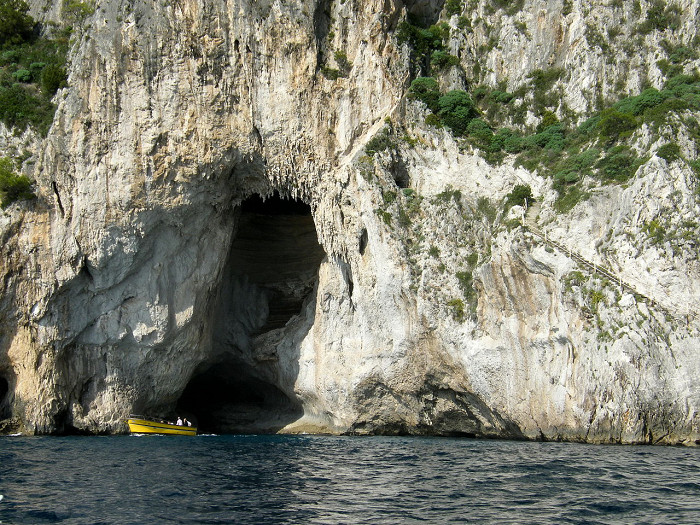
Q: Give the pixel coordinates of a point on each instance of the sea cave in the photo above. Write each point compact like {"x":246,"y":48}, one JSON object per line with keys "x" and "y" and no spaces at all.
{"x":270,"y":274}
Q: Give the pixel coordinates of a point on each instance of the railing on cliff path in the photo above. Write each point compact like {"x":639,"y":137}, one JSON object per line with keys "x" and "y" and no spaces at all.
{"x":529,"y":224}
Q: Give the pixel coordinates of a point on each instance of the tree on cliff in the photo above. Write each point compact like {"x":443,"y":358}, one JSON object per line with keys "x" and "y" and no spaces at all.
{"x":13,"y":186}
{"x":456,"y":109}
{"x":15,"y":24}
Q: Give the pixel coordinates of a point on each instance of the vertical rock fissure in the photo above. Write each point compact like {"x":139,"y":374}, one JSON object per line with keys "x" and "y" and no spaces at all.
{"x":4,"y":391}
{"x":270,"y":274}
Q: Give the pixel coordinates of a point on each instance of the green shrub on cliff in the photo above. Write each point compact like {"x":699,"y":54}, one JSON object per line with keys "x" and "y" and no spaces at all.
{"x":344,"y":65}
{"x":669,"y":152}
{"x":13,"y":186}
{"x":15,"y":23}
{"x":423,"y":43}
{"x":480,"y":133}
{"x":53,"y":77}
{"x":427,"y":90}
{"x":76,"y":11}
{"x":520,"y":194}
{"x":493,"y":120}
{"x":648,"y":98}
{"x":442,"y":60}
{"x":20,"y":108}
{"x":660,"y":17}
{"x":619,"y":164}
{"x":453,"y":7}
{"x":456,"y":109}
{"x":457,"y":309}
{"x":511,"y":7}
{"x":382,"y":141}
{"x":32,"y":69}
{"x":615,"y":125}
{"x":22,"y":75}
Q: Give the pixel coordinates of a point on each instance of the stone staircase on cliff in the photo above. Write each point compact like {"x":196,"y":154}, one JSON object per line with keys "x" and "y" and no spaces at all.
{"x":595,"y":269}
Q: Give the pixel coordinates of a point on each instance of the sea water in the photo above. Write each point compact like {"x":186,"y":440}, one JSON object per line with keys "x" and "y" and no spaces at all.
{"x":332,"y":480}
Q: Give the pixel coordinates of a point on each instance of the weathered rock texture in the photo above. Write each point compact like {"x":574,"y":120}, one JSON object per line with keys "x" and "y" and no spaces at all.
{"x":208,"y":239}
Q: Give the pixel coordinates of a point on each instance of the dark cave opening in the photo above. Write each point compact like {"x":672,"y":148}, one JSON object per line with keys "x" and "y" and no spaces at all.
{"x":277,"y":250}
{"x":363,"y":241}
{"x":270,"y":275}
{"x":228,"y":396}
{"x":423,"y":12}
{"x":4,"y":391}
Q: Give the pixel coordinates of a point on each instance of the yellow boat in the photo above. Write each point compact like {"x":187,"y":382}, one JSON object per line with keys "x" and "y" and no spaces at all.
{"x":143,"y":425}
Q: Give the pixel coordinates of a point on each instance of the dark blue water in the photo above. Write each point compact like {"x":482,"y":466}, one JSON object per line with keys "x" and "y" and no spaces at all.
{"x":308,"y":479}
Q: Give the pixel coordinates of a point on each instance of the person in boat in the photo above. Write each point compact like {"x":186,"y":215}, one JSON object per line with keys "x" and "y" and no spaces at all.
{"x":179,"y":421}
{"x":186,"y":423}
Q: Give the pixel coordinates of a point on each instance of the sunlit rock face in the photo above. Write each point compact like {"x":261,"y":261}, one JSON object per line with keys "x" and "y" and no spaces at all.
{"x":211,"y":240}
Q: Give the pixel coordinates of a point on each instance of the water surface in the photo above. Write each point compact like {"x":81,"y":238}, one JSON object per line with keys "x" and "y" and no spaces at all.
{"x":321,"y":479}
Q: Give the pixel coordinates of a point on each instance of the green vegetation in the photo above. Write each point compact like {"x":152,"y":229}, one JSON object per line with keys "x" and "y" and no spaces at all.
{"x":365,"y":166}
{"x":13,"y":187}
{"x":382,"y":141}
{"x":654,"y":231}
{"x":520,"y":194}
{"x":597,"y":147}
{"x":389,"y":197}
{"x":412,"y":201}
{"x":660,"y":17}
{"x":384,"y":215}
{"x":567,"y":7}
{"x":344,"y":65}
{"x":569,"y":196}
{"x":574,"y":278}
{"x":427,"y":90}
{"x":16,"y":25}
{"x":619,"y":164}
{"x":447,"y":195}
{"x":465,"y":280}
{"x":330,"y":73}
{"x":613,"y":125}
{"x":458,"y":310}
{"x":343,"y":69}
{"x":455,"y":110}
{"x":596,"y":297}
{"x":32,"y":69}
{"x":511,"y":7}
{"x":666,"y":233}
{"x":540,"y":85}
{"x":486,"y":209}
{"x":453,"y":7}
{"x":427,"y":46}
{"x":576,"y":155}
{"x":442,"y":60}
{"x":76,"y":11}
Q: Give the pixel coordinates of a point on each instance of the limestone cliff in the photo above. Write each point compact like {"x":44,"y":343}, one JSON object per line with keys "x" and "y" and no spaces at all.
{"x":211,"y":236}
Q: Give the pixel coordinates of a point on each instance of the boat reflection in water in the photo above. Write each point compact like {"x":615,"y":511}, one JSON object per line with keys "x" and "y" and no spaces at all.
{"x":145,"y":425}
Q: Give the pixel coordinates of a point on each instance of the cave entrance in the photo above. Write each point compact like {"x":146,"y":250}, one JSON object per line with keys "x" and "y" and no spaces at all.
{"x":230,"y":396}
{"x":270,"y":275}
{"x":277,"y":250}
{"x":424,"y":12}
{"x":4,"y":391}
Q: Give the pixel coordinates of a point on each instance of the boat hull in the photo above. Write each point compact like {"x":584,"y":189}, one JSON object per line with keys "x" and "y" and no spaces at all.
{"x":147,"y":426}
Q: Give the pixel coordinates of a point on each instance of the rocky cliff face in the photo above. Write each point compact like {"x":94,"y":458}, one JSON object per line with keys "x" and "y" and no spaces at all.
{"x":211,"y":238}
